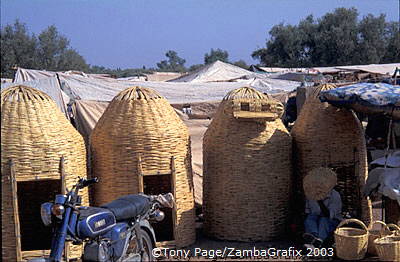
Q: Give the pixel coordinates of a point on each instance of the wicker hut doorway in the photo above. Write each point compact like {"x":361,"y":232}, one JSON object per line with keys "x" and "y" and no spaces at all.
{"x":155,"y":184}
{"x":31,"y":194}
{"x":348,"y":188}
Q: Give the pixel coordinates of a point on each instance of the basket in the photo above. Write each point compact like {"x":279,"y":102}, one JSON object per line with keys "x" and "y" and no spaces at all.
{"x":374,"y":234}
{"x":351,"y":243}
{"x":395,"y":231}
{"x":388,"y":248}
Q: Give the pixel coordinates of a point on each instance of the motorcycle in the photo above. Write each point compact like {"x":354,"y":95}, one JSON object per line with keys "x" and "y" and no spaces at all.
{"x":118,"y":231}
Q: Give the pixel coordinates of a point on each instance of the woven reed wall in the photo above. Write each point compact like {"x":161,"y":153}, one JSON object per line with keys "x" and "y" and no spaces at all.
{"x":139,"y":121}
{"x":35,"y":135}
{"x":247,"y":170}
{"x":326,"y":136}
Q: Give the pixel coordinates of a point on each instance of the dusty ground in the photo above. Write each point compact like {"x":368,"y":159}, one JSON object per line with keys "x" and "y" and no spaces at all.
{"x":205,"y":248}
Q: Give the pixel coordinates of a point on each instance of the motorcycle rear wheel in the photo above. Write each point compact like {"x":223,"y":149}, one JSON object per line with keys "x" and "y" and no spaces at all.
{"x":147,"y":246}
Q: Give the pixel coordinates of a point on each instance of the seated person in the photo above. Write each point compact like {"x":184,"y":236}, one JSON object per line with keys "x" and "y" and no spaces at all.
{"x":323,"y":206}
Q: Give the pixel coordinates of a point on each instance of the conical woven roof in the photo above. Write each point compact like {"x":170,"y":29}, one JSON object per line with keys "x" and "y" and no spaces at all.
{"x":318,"y":89}
{"x":139,"y":122}
{"x":137,"y":93}
{"x":246,"y":93}
{"x":35,"y":135}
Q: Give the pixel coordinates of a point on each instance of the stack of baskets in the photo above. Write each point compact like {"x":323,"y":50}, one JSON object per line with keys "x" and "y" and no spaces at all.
{"x":386,"y":229}
{"x":247,"y":168}
{"x":326,"y":136}
{"x":34,"y":135}
{"x":388,"y":247}
{"x":134,"y":141}
{"x":353,"y":243}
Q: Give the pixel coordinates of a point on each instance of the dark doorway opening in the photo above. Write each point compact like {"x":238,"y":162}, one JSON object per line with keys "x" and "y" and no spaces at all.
{"x":160,"y":184}
{"x":31,"y":195}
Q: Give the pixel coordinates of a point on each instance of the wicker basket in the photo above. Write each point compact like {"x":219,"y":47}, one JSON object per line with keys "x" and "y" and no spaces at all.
{"x":351,"y":243}
{"x":374,"y":234}
{"x":140,"y":144}
{"x":326,"y":136}
{"x":34,"y":135}
{"x":247,"y":169}
{"x":388,"y":248}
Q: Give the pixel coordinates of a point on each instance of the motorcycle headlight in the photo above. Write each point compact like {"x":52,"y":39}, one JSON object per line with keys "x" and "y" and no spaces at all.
{"x":57,"y":210}
{"x":45,"y":213}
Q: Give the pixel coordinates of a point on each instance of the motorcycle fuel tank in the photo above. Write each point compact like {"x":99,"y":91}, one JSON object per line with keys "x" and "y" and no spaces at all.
{"x":94,"y":221}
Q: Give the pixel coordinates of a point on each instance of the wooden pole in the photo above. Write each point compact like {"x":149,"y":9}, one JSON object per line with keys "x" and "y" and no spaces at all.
{"x":62,"y":176}
{"x":140,"y":173}
{"x":173,"y":187}
{"x":64,"y":191}
{"x":16,"y":211}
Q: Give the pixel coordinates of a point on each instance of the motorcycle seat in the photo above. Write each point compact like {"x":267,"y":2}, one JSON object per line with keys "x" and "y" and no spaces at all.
{"x":128,"y":206}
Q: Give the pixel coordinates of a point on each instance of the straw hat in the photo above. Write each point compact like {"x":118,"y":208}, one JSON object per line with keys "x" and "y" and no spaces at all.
{"x":319,"y":182}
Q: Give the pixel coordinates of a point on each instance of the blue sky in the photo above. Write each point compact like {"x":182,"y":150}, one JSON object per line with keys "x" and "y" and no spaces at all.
{"x":122,"y":33}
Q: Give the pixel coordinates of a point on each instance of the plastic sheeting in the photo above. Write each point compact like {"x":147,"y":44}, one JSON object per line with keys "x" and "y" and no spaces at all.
{"x":214,"y":72}
{"x":48,"y":85}
{"x":366,"y":98}
{"x":87,"y":113}
{"x":80,"y":87}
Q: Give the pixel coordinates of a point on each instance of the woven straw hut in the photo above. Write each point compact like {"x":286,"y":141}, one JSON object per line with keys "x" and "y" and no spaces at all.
{"x":247,"y":168}
{"x":141,"y":145}
{"x":326,"y":136}
{"x":34,"y":136}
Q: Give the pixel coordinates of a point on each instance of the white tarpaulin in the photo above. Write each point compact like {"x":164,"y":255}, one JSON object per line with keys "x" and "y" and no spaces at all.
{"x":214,"y":72}
{"x":104,"y":89}
{"x":48,"y":85}
{"x":22,"y":74}
{"x":383,"y":69}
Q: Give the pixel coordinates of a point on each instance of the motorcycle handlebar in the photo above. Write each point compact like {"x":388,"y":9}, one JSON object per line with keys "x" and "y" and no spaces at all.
{"x":88,"y":182}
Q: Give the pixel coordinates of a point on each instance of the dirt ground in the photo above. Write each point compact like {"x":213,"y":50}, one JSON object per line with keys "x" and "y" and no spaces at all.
{"x":206,"y":248}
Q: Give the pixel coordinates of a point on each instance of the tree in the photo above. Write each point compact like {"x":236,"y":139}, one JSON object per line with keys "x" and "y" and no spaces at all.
{"x":284,"y":47}
{"x":214,"y":55}
{"x":241,"y":63}
{"x":372,"y":39}
{"x":51,"y":47}
{"x":71,"y":60}
{"x":173,"y":64}
{"x":392,"y":53}
{"x":18,"y":48}
{"x":195,"y":67}
{"x":337,"y":38}
{"x":49,"y":51}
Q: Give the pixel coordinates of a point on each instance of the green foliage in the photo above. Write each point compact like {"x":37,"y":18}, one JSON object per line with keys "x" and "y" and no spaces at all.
{"x":392,"y":53}
{"x":214,"y":55}
{"x":119,"y":73}
{"x":241,"y":63}
{"x":18,"y":48}
{"x":49,"y":51}
{"x":173,"y":64}
{"x":195,"y":67}
{"x":337,"y":38}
